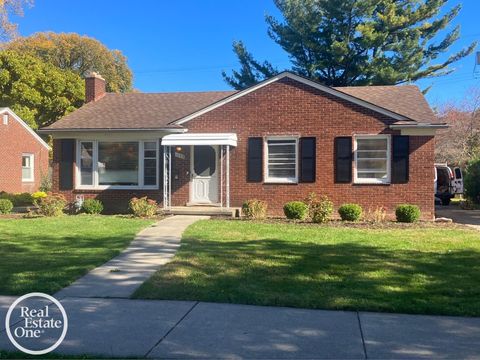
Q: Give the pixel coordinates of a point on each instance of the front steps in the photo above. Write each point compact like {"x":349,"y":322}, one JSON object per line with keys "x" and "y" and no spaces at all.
{"x":204,"y":210}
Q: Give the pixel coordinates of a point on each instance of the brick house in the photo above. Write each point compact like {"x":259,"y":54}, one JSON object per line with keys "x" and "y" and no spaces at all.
{"x":24,"y":155}
{"x":277,"y":141}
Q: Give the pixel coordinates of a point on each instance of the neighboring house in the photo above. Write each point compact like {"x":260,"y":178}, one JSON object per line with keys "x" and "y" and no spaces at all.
{"x":23,"y":155}
{"x":276,"y":141}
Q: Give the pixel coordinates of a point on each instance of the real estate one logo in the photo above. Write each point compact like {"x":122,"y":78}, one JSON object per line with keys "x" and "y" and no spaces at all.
{"x":36,"y":323}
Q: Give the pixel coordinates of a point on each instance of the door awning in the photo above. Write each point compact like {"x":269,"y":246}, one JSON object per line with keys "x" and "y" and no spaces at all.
{"x":200,"y":139}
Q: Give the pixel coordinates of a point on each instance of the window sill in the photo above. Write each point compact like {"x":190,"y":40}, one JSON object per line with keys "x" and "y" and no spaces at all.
{"x":102,"y":188}
{"x":281,"y":182}
{"x":28,"y":181}
{"x":371,"y":183}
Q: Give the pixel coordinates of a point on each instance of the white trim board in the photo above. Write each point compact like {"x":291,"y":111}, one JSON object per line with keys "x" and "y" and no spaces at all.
{"x":24,"y":124}
{"x":302,"y":80}
{"x":200,"y":139}
{"x":31,"y":160}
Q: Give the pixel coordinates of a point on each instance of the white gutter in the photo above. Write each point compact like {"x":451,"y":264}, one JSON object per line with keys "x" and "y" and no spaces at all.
{"x":173,"y":130}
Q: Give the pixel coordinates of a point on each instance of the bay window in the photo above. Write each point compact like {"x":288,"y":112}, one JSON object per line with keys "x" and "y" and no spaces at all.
{"x":86,"y":163}
{"x":117,"y":164}
{"x":281,"y":159}
{"x":372,"y":159}
{"x":150,"y":163}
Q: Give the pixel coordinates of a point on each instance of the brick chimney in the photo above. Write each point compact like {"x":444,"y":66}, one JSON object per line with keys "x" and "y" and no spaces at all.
{"x":94,"y":87}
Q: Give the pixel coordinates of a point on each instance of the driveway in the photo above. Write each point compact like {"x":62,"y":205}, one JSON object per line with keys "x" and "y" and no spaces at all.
{"x":459,"y":215}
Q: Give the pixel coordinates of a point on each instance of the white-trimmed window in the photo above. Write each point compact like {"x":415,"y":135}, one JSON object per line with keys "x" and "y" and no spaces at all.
{"x":27,"y":167}
{"x":117,"y":164}
{"x":372,"y":159}
{"x":281,"y":159}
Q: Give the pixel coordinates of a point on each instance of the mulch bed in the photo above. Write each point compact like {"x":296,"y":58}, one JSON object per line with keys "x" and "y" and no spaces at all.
{"x":360,"y":224}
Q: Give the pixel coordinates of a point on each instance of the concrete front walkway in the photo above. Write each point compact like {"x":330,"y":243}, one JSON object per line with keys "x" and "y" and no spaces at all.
{"x":193,"y":330}
{"x":121,"y":276}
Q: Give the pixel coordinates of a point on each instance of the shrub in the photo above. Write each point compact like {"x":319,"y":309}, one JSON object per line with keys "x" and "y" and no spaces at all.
{"x":92,"y":206}
{"x":311,"y":201}
{"x":36,"y":196}
{"x":295,"y":210}
{"x":255,"y":209}
{"x":6,"y":206}
{"x":472,"y":181}
{"x":45,"y":184}
{"x":350,"y":212}
{"x":321,"y":210}
{"x":21,"y":199}
{"x":51,"y":205}
{"x":143,"y":207}
{"x":377,"y":215}
{"x":7,"y":196}
{"x":407,"y":213}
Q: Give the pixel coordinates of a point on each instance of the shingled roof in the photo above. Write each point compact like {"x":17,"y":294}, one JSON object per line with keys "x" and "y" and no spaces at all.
{"x":406,"y":100}
{"x":162,"y":110}
{"x":137,"y":110}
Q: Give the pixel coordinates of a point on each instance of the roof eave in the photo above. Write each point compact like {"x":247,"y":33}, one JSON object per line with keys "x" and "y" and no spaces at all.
{"x":166,"y":129}
{"x":420,"y":126}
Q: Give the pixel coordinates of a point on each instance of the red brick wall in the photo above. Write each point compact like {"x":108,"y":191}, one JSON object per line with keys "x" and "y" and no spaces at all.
{"x":94,"y":88}
{"x":14,"y":141}
{"x":287,"y":107}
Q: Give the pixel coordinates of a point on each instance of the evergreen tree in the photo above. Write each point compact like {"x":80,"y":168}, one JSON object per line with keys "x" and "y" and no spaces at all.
{"x":251,"y":71}
{"x":357,"y":42}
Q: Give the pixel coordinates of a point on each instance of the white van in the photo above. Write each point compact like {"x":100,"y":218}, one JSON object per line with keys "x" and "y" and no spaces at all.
{"x":448,"y":182}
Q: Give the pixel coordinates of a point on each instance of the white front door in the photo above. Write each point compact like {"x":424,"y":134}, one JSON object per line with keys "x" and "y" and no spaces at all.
{"x":204,"y":170}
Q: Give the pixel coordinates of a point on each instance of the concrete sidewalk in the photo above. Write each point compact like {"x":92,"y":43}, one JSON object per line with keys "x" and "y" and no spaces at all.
{"x":121,"y":276}
{"x":189,"y":330}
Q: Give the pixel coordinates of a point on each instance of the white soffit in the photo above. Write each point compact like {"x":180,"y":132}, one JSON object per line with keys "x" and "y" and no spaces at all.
{"x":200,"y":139}
{"x":419,"y":129}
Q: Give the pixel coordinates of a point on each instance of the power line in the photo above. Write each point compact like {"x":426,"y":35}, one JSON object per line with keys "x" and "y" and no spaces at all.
{"x":203,"y":68}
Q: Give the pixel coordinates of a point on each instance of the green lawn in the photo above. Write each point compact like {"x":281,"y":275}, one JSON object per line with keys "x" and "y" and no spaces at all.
{"x":47,"y":254}
{"x":417,"y":269}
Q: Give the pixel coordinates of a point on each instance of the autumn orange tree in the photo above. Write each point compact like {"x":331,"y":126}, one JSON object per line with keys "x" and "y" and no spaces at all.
{"x":79,"y":54}
{"x":8,"y":29}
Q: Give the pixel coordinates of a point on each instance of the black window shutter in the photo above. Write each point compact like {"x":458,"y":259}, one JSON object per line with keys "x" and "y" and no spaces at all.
{"x":67,"y":157}
{"x":343,"y":159}
{"x":401,"y":150}
{"x":307,"y":159}
{"x":255,"y":159}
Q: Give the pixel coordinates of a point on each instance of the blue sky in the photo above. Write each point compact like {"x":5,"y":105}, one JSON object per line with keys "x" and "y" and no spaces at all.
{"x":184,"y":45}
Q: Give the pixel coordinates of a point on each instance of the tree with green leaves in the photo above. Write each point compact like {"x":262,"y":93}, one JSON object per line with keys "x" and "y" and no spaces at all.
{"x":79,"y":54}
{"x":357,"y":42}
{"x":36,"y":90}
